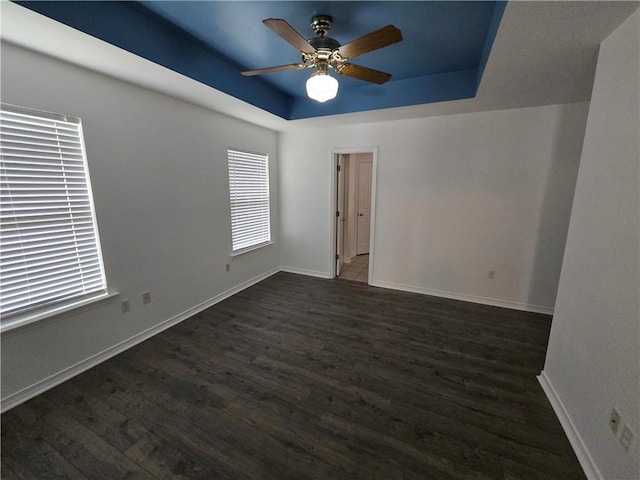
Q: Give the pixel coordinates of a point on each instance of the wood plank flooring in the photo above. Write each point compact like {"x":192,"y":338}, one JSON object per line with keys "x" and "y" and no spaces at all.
{"x":304,"y":378}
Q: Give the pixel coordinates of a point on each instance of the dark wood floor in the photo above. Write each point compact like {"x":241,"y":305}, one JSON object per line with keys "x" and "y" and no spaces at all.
{"x":303,"y":378}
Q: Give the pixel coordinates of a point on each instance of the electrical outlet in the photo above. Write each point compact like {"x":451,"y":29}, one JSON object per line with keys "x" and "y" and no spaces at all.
{"x":146,"y":298}
{"x":614,"y":421}
{"x":627,"y":437}
{"x":228,"y":266}
{"x":491,"y":274}
{"x":125,"y":306}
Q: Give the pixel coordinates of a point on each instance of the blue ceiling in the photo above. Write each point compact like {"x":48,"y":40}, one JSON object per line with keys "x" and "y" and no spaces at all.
{"x":442,"y":56}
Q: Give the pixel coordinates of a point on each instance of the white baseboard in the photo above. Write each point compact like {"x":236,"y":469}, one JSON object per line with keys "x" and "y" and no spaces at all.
{"x":302,"y":271}
{"x":584,"y":457}
{"x":43,"y":385}
{"x":466,"y":298}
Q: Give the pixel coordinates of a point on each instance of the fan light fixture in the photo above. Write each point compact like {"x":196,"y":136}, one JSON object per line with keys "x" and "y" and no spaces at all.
{"x":322,"y":87}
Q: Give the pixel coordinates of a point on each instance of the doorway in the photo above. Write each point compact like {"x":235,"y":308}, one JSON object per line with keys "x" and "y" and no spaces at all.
{"x":352,"y":239}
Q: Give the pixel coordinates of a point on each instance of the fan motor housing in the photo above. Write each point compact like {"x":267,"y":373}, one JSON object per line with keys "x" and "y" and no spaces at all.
{"x":324,"y":43}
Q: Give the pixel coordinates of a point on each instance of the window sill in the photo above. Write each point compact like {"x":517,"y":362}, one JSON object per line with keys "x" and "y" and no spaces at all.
{"x":31,"y":318}
{"x":250,"y":249}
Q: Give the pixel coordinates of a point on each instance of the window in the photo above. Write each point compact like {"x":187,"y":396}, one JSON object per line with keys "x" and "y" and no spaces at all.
{"x":249,"y":196}
{"x":49,"y":245}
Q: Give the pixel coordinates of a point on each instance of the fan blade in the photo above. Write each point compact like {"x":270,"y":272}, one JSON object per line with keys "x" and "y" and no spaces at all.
{"x":372,"y":41}
{"x":288,"y":33}
{"x":364,"y":73}
{"x":280,"y":68}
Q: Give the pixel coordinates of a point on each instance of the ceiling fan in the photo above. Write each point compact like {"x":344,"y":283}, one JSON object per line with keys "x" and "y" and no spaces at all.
{"x":323,"y":53}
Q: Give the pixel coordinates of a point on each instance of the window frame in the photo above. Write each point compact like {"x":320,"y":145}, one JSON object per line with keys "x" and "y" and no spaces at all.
{"x":30,"y":311}
{"x":267,"y":239}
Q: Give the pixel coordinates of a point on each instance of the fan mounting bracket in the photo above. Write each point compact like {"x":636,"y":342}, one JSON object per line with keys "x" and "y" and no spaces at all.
{"x":321,"y":24}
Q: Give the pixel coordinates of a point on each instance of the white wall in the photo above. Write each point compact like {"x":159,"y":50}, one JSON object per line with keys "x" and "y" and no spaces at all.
{"x":159,"y":175}
{"x":593,"y":358}
{"x":456,"y":196}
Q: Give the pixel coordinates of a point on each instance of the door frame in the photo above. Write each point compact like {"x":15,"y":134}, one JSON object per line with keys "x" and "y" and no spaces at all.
{"x":339,"y":223}
{"x":334,"y":204}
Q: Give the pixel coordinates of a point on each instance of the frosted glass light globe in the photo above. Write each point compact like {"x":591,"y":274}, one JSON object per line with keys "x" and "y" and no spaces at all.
{"x":322,"y":87}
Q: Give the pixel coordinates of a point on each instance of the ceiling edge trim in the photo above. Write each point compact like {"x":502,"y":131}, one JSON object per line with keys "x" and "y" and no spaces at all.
{"x":494,"y":26}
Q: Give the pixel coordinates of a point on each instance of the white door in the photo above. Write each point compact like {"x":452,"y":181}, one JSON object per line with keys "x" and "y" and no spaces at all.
{"x":340,"y":215}
{"x":363,"y":207}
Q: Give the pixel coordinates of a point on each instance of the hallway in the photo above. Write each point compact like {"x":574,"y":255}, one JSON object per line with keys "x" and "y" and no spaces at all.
{"x":357,"y":269}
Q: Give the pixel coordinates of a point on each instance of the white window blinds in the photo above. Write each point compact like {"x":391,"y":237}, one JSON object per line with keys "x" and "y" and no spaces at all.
{"x":49,"y":246}
{"x":249,"y":195}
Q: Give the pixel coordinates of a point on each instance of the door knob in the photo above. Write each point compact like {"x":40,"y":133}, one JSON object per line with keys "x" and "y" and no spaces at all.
{"x":361,"y":214}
